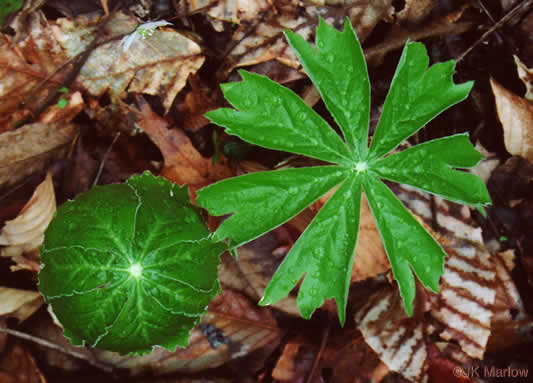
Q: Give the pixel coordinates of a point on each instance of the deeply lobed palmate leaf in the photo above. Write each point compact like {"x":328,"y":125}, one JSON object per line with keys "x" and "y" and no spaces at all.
{"x":274,"y":117}
{"x":126,"y":267}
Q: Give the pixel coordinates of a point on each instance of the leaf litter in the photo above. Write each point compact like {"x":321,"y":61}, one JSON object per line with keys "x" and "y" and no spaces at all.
{"x":253,"y":39}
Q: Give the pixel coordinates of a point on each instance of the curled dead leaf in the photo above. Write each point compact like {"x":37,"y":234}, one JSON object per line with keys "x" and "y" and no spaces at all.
{"x":25,"y":233}
{"x":20,"y":304}
{"x":516,"y":115}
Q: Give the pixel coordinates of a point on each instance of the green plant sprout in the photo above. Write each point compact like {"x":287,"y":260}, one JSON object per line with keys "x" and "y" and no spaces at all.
{"x":126,"y":267}
{"x":270,"y":115}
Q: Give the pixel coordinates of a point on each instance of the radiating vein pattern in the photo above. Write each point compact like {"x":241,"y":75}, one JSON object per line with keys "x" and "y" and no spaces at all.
{"x":128,"y":283}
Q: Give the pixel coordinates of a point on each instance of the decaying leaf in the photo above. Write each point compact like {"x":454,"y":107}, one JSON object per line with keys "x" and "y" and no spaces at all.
{"x":25,"y":233}
{"x":485,"y":167}
{"x":26,"y":77}
{"x":526,"y":75}
{"x":516,"y":115}
{"x":464,"y":305}
{"x":295,"y":362}
{"x":510,"y":325}
{"x":415,"y":11}
{"x":476,"y":298}
{"x":265,"y":41}
{"x":32,"y":148}
{"x":399,"y":341}
{"x":20,"y":304}
{"x":231,"y":11}
{"x":183,"y":163}
{"x":253,"y":270}
{"x":233,"y":327}
{"x":18,"y":366}
{"x":158,"y":64}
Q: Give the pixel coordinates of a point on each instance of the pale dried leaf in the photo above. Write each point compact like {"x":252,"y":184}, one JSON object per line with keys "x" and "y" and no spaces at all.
{"x":256,"y":265}
{"x":266,"y":40}
{"x":398,"y":341}
{"x":158,"y":64}
{"x":464,"y":305}
{"x":54,"y":113}
{"x":485,"y":167}
{"x":20,"y":304}
{"x":233,"y":327}
{"x":516,"y":115}
{"x":511,"y":324}
{"x":526,"y":75}
{"x":285,"y":366}
{"x":25,"y":233}
{"x":415,"y":11}
{"x":32,"y":148}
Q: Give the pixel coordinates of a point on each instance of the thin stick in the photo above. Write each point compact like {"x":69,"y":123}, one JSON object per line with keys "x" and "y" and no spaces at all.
{"x":53,"y":346}
{"x":323,"y":343}
{"x":104,"y":158}
{"x":513,"y":12}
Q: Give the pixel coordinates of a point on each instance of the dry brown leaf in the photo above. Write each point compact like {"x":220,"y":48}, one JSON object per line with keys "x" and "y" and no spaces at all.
{"x":464,"y":305}
{"x":183,"y":163}
{"x":398,"y":341}
{"x":415,"y":11}
{"x":486,"y":166}
{"x":254,"y":269}
{"x":295,"y":363}
{"x":32,"y":148}
{"x":265,"y":41}
{"x":18,"y":366}
{"x":526,"y":75}
{"x":20,"y":304}
{"x":510,"y":325}
{"x":233,"y":327}
{"x":34,"y":68}
{"x":25,"y":233}
{"x":516,"y":115}
{"x":26,"y":76}
{"x":157,"y":65}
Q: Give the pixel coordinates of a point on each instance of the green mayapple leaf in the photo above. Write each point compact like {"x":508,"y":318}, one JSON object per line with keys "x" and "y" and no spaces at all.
{"x":429,"y":166}
{"x":280,"y":120}
{"x":334,"y":229}
{"x":338,"y":70}
{"x":126,"y":267}
{"x":406,"y":240}
{"x":272,"y":116}
{"x":416,"y":96}
{"x":265,"y":200}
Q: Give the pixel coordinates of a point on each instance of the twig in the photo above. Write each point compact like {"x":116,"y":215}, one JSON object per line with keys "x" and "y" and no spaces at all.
{"x":53,"y":346}
{"x":104,"y":158}
{"x":323,"y":343}
{"x":513,"y":12}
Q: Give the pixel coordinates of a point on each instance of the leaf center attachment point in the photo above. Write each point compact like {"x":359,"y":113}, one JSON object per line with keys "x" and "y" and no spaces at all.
{"x":360,"y":167}
{"x":136,"y":270}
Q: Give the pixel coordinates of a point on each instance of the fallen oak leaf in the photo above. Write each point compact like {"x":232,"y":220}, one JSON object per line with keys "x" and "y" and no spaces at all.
{"x":183,"y":163}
